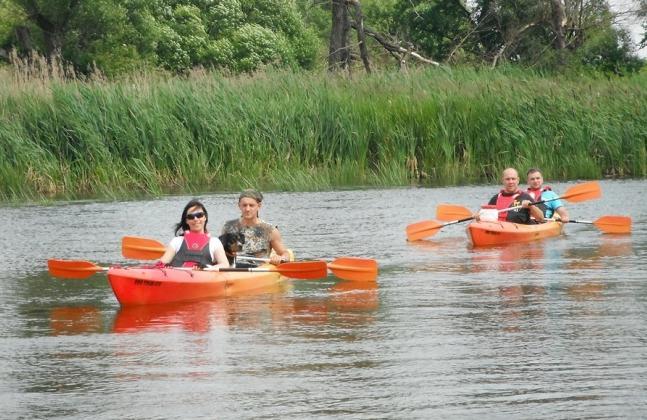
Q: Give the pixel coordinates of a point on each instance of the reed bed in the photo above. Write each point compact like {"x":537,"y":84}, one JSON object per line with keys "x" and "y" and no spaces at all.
{"x":150,"y":135}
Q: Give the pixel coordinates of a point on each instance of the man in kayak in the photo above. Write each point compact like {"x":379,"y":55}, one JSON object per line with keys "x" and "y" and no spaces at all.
{"x":511,"y":196}
{"x":261,"y":238}
{"x":539,"y":192}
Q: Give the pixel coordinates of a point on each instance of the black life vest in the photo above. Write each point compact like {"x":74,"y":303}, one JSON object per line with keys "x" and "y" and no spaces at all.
{"x":194,"y":251}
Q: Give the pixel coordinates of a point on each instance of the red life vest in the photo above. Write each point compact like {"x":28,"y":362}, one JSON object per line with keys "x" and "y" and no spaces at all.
{"x":193,"y":251}
{"x":535,"y":193}
{"x":503,"y":201}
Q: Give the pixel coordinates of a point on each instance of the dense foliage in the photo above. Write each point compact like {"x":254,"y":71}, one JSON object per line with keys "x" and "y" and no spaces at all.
{"x":119,"y":36}
{"x":303,"y":131}
{"x":122,"y":36}
{"x":92,"y":104}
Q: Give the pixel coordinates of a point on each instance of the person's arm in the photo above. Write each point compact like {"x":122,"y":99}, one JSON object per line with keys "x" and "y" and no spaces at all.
{"x":218,"y":253}
{"x":534,"y":210}
{"x":281,"y":252}
{"x":171,"y":250}
{"x":168,"y":255}
{"x":563,"y":214}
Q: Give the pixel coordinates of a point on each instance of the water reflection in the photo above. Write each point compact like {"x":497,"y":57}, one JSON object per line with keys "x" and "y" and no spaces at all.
{"x":342,"y":303}
{"x":520,"y":303}
{"x":71,"y":320}
{"x":523,"y":256}
{"x":608,"y":250}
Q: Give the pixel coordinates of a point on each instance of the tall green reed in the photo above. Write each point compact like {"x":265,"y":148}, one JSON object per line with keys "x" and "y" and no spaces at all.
{"x":150,"y":135}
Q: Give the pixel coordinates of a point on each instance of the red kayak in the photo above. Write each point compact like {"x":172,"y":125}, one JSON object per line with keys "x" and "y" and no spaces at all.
{"x":502,"y":233}
{"x":144,"y":286}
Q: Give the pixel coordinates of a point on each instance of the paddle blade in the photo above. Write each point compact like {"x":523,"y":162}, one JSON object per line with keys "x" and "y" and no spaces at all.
{"x":614,"y":224}
{"x":424,"y":229}
{"x":141,"y":248}
{"x":354,"y":269}
{"x":449,"y":212}
{"x":71,"y":269}
{"x":303,"y":269}
{"x":583,"y":192}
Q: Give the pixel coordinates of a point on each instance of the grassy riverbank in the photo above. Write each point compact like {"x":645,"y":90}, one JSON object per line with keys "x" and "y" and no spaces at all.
{"x":149,"y":136}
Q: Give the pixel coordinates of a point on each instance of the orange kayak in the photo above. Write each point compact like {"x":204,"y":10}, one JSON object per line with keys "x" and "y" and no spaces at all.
{"x":502,"y":233}
{"x":144,"y":286}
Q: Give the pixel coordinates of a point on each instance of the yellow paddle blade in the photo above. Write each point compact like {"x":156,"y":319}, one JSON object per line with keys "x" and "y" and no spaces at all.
{"x":424,"y":229}
{"x":354,"y":269}
{"x":583,"y":192}
{"x":449,"y":212}
{"x":141,"y":248}
{"x":73,"y":269}
{"x":614,"y":224}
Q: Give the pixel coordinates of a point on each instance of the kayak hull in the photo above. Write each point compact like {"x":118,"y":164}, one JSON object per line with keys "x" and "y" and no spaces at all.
{"x":149,"y":286}
{"x":502,"y":233}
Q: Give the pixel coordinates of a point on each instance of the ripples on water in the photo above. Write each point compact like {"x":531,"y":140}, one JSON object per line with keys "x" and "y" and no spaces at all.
{"x":554,"y":329}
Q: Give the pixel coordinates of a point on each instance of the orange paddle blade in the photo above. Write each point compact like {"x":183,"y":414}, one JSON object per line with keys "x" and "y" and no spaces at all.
{"x":303,"y":269}
{"x":141,"y":248}
{"x":449,"y":212}
{"x":354,"y":269}
{"x":583,"y":192}
{"x":614,"y":224}
{"x":424,"y":229}
{"x":73,"y":269}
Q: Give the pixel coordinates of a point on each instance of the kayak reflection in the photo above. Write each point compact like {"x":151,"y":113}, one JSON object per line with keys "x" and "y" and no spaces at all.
{"x":358,"y":301}
{"x":72,"y":320}
{"x":523,"y":256}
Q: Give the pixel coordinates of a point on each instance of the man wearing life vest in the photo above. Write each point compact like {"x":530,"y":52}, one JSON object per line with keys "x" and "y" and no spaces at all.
{"x":511,"y":196}
{"x":540,"y":192}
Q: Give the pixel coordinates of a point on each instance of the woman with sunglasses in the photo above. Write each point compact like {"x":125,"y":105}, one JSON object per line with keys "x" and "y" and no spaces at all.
{"x":192,"y":245}
{"x":261,"y":238}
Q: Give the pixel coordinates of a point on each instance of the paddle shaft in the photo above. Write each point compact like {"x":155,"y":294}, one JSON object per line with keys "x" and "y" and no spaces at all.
{"x":467,"y":219}
{"x":240,"y":269}
{"x":346,"y":268}
{"x":245,"y":257}
{"x":531,"y":204}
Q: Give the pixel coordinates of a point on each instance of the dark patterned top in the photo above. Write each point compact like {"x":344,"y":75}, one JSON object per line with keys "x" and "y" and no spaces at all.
{"x":257,"y":238}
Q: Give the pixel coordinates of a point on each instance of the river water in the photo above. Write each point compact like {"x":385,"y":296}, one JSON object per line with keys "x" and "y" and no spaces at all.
{"x":553,"y":329}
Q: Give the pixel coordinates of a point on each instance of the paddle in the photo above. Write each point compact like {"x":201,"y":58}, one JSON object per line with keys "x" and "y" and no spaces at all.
{"x":73,"y":269}
{"x":426,"y":228}
{"x":609,"y":224}
{"x":79,"y":269}
{"x":449,"y":212}
{"x":346,"y":268}
{"x":140,"y":248}
{"x":575,"y":194}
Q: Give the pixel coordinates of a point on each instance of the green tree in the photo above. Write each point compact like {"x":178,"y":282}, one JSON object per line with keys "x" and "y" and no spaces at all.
{"x":435,"y":27}
{"x":552,"y":33}
{"x":120,"y":35}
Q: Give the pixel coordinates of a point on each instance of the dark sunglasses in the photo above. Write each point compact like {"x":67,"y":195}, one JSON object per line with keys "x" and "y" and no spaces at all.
{"x":197,"y":215}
